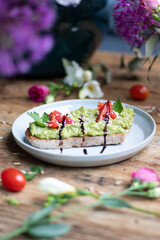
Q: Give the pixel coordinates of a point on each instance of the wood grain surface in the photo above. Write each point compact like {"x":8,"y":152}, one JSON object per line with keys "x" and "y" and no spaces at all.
{"x":97,"y":224}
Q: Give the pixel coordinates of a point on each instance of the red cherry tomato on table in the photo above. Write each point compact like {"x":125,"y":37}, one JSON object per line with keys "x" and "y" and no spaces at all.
{"x":139,"y":92}
{"x":13,"y":180}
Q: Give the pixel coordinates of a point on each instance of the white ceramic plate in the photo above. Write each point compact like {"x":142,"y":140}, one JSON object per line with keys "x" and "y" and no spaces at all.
{"x":140,"y":134}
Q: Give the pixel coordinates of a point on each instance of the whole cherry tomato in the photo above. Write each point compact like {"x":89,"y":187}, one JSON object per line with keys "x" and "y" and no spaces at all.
{"x":13,"y":180}
{"x":139,"y":92}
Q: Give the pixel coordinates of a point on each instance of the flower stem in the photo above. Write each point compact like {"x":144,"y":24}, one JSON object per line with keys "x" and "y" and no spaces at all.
{"x":145,"y":211}
{"x":15,"y":233}
{"x":125,"y":192}
{"x":64,"y":214}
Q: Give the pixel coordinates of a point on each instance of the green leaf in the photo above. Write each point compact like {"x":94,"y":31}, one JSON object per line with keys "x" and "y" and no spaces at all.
{"x":82,"y":192}
{"x":117,"y":106}
{"x":104,"y":69}
{"x":48,"y":230}
{"x":122,"y":64}
{"x":12,"y":201}
{"x":135,"y":64}
{"x":45,"y":117}
{"x":36,"y":169}
{"x":37,"y":118}
{"x":155,"y":16}
{"x":150,"y":44}
{"x":150,"y":67}
{"x":108,"y":77}
{"x":39,"y":215}
{"x":28,"y":176}
{"x":54,"y":87}
{"x":115,"y":203}
{"x":105,"y":196}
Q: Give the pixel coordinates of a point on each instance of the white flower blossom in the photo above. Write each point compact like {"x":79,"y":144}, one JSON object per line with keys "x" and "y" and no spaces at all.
{"x":74,"y":73}
{"x":55,"y":186}
{"x":91,"y":89}
{"x":68,"y":2}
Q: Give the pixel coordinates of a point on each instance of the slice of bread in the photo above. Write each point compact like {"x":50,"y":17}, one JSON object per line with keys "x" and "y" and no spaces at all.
{"x":74,"y":141}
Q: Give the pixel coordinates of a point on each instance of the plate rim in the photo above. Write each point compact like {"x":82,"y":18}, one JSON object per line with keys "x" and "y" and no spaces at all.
{"x":31,"y":148}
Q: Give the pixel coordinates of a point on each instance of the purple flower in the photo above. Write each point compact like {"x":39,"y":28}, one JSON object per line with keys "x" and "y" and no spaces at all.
{"x":24,"y":34}
{"x":132,"y":22}
{"x":145,"y":175}
{"x":38,"y":93}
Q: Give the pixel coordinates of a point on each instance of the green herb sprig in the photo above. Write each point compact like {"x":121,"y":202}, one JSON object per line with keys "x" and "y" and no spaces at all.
{"x":33,"y":172}
{"x":41,"y":121}
{"x":117,"y":106}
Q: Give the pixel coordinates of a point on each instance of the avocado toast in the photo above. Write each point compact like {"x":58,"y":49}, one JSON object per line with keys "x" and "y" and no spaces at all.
{"x":104,"y":125}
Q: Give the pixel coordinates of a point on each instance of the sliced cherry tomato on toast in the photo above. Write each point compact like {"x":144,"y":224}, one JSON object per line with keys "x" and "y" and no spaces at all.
{"x":53,"y":123}
{"x":58,"y":116}
{"x":99,"y":106}
{"x":113,"y":115}
{"x":69,"y":120}
{"x":13,"y":180}
{"x":104,"y":109}
{"x":102,"y":113}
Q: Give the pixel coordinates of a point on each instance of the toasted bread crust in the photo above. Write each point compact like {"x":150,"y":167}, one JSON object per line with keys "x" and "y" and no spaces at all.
{"x":74,"y":141}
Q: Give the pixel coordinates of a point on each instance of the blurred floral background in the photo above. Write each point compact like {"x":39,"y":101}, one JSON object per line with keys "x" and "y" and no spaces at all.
{"x":36,"y":34}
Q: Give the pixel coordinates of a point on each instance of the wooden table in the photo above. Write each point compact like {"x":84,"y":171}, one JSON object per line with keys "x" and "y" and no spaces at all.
{"x":92,"y":224}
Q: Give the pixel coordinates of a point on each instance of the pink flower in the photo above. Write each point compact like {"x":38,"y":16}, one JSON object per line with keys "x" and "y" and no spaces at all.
{"x":149,"y":5}
{"x":145,"y":175}
{"x":38,"y":93}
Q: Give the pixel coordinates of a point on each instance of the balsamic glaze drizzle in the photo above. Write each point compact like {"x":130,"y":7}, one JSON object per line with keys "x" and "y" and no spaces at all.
{"x":61,"y":128}
{"x":83,"y":131}
{"x":60,"y":131}
{"x":85,"y":151}
{"x":82,"y":124}
{"x":105,"y":131}
{"x":106,"y":119}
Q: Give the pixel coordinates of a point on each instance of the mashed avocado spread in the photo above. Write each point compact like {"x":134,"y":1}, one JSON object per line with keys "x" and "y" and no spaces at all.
{"x":120,"y":124}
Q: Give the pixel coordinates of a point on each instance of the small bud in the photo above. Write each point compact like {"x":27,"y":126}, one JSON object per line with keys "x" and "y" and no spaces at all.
{"x":135,"y":184}
{"x":153,"y":185}
{"x":87,"y":76}
{"x":49,"y":98}
{"x":153,"y":193}
{"x":75,"y":85}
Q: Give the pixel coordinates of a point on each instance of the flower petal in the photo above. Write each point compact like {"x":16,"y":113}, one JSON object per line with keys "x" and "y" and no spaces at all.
{"x":55,"y":186}
{"x":145,"y":175}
